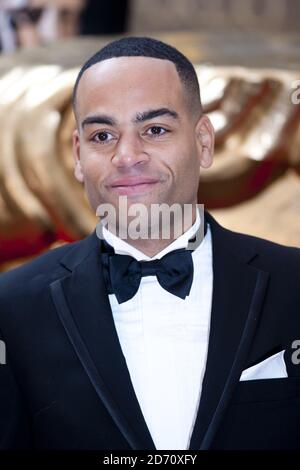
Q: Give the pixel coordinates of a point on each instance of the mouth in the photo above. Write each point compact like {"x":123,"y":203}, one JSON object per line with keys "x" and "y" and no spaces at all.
{"x":127,"y":186}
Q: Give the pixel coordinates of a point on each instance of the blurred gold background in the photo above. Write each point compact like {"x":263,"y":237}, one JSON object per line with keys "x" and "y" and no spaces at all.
{"x":250,"y":85}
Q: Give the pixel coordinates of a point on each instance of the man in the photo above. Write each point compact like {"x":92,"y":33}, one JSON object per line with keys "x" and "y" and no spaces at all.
{"x":143,"y":343}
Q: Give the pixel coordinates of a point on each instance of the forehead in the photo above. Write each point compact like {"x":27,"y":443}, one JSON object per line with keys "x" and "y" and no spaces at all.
{"x":127,"y":82}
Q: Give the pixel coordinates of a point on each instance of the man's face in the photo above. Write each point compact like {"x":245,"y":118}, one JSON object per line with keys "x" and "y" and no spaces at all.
{"x":137,"y":136}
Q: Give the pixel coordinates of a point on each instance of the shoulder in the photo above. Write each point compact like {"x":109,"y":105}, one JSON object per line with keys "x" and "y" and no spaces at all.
{"x":264,"y":254}
{"x":39,"y":271}
{"x":280,"y":261}
{"x":267,"y":248}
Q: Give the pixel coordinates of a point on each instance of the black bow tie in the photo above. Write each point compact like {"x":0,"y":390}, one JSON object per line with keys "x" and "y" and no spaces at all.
{"x":123,"y":273}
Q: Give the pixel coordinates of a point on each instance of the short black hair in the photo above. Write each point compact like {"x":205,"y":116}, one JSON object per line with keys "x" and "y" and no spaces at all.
{"x":148,"y":47}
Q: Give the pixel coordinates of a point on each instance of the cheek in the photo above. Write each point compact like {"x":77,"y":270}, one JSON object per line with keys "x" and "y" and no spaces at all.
{"x":187,"y":174}
{"x":185,"y":164}
{"x":93,"y":167}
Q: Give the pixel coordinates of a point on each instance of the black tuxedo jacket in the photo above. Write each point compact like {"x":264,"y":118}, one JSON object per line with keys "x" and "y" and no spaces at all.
{"x":65,"y":384}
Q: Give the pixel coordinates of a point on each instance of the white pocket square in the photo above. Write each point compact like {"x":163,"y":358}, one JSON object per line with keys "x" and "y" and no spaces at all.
{"x":271,"y":368}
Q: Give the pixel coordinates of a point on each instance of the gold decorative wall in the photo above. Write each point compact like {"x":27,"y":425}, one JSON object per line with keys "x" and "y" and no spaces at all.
{"x":253,"y":185}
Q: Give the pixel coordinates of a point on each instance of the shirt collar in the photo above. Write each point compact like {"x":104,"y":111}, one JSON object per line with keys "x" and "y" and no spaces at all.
{"x":121,"y":247}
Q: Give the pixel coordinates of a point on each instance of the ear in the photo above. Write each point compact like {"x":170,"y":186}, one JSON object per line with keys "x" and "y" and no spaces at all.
{"x":76,"y":155}
{"x":205,"y":137}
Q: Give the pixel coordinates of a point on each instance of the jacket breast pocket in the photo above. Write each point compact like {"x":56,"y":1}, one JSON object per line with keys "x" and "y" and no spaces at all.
{"x":266,"y":390}
{"x":262,"y":414}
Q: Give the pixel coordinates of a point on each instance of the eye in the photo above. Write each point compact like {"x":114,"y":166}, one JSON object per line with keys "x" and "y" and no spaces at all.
{"x":156,"y":131}
{"x":103,"y":137}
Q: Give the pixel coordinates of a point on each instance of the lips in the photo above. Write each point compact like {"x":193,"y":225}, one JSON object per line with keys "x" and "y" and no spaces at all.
{"x":133,"y":181}
{"x":133,"y":185}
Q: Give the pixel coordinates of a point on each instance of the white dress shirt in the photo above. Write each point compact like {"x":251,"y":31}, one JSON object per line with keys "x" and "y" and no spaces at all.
{"x":164,"y":340}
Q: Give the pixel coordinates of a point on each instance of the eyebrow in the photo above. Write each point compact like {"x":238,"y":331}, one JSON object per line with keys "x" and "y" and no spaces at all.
{"x":140,"y":117}
{"x":98,"y":119}
{"x":153,"y":113}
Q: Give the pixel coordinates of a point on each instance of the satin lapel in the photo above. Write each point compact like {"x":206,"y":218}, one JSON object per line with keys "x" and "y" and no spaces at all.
{"x":83,"y":307}
{"x":238,"y":293}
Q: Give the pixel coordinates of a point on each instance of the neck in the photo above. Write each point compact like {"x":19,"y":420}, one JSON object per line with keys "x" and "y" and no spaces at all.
{"x":151,"y":246}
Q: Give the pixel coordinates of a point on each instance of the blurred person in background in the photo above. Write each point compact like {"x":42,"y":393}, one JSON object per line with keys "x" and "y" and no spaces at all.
{"x":104,"y":17}
{"x":27,"y":23}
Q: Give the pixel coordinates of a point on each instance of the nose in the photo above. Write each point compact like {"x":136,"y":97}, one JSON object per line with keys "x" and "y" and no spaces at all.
{"x":129,"y":152}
